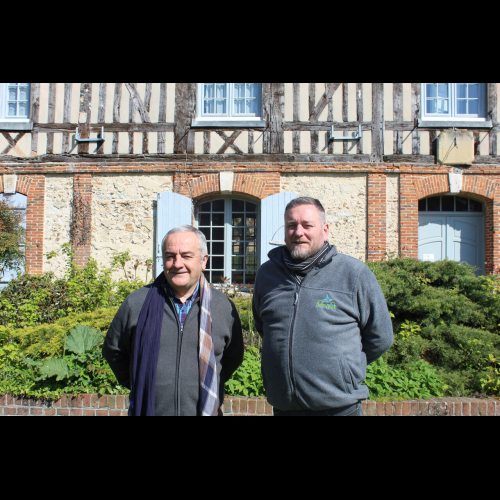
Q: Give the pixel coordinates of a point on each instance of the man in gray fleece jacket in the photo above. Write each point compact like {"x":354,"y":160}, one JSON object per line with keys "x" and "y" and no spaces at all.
{"x":322,"y":317}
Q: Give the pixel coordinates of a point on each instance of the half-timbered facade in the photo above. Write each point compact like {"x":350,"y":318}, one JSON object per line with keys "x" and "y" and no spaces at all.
{"x":401,"y":168}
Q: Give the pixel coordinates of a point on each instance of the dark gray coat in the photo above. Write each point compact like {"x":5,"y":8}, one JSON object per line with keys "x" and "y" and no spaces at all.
{"x":319,"y":337}
{"x":178,"y":374}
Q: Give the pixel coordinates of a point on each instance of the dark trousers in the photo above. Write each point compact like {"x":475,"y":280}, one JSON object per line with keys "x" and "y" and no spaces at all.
{"x":354,"y":410}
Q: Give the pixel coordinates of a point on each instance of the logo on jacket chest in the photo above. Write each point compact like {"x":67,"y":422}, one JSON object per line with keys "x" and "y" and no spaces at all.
{"x":327,"y":303}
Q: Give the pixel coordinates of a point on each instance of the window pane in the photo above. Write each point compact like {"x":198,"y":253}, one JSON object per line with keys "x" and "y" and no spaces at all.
{"x":205,"y":207}
{"x":217,"y":219}
{"x":221,"y":90}
{"x":251,"y":207}
{"x":462,"y":204}
{"x":251,"y":220}
{"x":462,"y":107}
{"x":431,"y":106}
{"x":239,"y":106}
{"x":473,"y":90}
{"x":208,"y":90}
{"x":433,"y":204}
{"x":251,"y":106}
{"x":12,"y":109}
{"x":250,"y":278}
{"x":462,"y":90}
{"x":251,"y":262}
{"x":442,"y":106}
{"x":238,"y":206}
{"x":422,"y":205}
{"x":237,"y":263}
{"x":217,"y":276}
{"x":251,"y":90}
{"x":239,"y":90}
{"x":218,"y":233}
{"x":238,"y":249}
{"x":208,"y":107}
{"x":204,"y":219}
{"x":475,"y":206}
{"x":238,"y":278}
{"x":206,"y":232}
{"x":442,"y":90}
{"x":250,"y":234}
{"x":217,"y":248}
{"x":217,"y":262}
{"x":448,"y":203}
{"x":431,"y":90}
{"x":473,"y":107}
{"x":237,"y":234}
{"x":23,"y":109}
{"x":23,"y":93}
{"x":221,"y":107}
{"x":238,"y":219}
{"x":218,"y":206}
{"x":251,"y":248}
{"x":12,"y":94}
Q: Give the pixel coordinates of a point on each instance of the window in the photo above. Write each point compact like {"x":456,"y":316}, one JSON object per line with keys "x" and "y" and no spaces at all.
{"x":226,"y":104}
{"x":15,"y":101}
{"x":230,"y":226}
{"x":454,"y":102}
{"x":449,"y":204}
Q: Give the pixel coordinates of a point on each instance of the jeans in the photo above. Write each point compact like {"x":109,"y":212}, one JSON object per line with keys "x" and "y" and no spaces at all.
{"x":355,"y":410}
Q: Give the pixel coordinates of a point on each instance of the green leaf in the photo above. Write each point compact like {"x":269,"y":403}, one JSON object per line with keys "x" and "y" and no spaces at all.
{"x":82,"y":338}
{"x":55,"y":367}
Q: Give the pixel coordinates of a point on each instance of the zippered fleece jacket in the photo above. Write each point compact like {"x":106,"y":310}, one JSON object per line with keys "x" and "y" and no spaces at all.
{"x":178,"y":372}
{"x":319,"y":336}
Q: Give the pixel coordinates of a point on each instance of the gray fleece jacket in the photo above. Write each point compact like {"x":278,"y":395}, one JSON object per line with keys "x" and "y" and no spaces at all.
{"x":319,"y":337}
{"x":178,"y":373}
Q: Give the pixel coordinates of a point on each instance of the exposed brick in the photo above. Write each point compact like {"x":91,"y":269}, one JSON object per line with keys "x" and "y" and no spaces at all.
{"x":380,"y":409}
{"x":370,"y":409}
{"x":37,"y":411}
{"x":398,"y":408}
{"x":483,"y":408}
{"x":474,"y":408}
{"x":22,"y":410}
{"x":102,"y":413}
{"x":63,"y":412}
{"x":9,"y":411}
{"x":120,"y":402}
{"x":115,"y":413}
{"x":50,"y":412}
{"x":252,"y":406}
{"x":89,"y":413}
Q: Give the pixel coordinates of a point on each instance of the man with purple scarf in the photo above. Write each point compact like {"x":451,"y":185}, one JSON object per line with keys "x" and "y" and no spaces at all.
{"x":322,"y":317}
{"x":174,"y":343}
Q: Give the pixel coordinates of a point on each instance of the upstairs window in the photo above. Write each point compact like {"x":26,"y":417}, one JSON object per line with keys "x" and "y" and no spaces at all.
{"x":227,"y":103}
{"x":15,"y":101}
{"x":454,"y":101}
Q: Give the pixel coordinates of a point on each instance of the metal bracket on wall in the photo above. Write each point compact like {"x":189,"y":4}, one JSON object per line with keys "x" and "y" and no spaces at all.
{"x":354,"y":137}
{"x":100,"y":137}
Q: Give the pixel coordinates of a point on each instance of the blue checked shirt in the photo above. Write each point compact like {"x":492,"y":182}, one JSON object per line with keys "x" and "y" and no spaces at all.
{"x":183,"y":309}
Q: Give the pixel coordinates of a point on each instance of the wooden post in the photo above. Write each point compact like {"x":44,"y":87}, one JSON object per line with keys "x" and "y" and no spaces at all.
{"x":84,"y":118}
{"x":116,"y":115}
{"x":162,"y":117}
{"x":493,"y":112}
{"x":35,"y":113}
{"x":296,"y":118}
{"x":101,"y":115}
{"x":185,"y":105}
{"x":398,"y":117}
{"x":415,"y":113}
{"x":68,"y":90}
{"x":359,"y":113}
{"x":377,"y":122}
{"x":51,"y":116}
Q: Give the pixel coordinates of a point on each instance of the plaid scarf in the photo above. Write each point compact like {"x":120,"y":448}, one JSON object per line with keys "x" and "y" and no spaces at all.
{"x":299,"y":270}
{"x":147,"y":347}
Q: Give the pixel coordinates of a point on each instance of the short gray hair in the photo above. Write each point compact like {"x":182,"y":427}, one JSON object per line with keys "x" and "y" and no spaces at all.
{"x":202,"y":241}
{"x":306,"y":200}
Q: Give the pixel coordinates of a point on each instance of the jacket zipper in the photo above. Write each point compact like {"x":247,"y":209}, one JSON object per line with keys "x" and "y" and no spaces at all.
{"x":178,"y":361}
{"x":290,"y":341}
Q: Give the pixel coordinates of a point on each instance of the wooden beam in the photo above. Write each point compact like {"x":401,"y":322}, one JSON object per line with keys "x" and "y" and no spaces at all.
{"x":132,"y":110}
{"x":68,"y":90}
{"x":51,"y":116}
{"x":398,"y":116}
{"x":229,"y":142}
{"x":296,"y":117}
{"x":312,"y":108}
{"x":415,"y":114}
{"x":116,"y":115}
{"x":329,"y":118}
{"x":493,"y":113}
{"x":162,"y":117}
{"x":101,"y":113}
{"x":35,"y":114}
{"x":359,"y":113}
{"x":377,"y":122}
{"x":185,"y":106}
{"x":345,"y":114}
{"x":316,"y":112}
{"x":13,"y":143}
{"x":147,"y":105}
{"x":139,"y":104}
{"x":84,"y":118}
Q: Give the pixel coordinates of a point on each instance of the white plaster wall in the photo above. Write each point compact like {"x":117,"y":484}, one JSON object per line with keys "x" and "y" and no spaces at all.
{"x":344,"y":199}
{"x":58,"y":202}
{"x":122,"y":217}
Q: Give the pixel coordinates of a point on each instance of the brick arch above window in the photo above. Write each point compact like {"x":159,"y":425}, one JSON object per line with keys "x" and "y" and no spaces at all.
{"x":473,"y":185}
{"x":243,"y":184}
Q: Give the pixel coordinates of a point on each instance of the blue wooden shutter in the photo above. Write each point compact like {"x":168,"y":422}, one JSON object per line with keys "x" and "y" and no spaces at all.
{"x":20,"y":202}
{"x":172,"y":210}
{"x":272,"y":211}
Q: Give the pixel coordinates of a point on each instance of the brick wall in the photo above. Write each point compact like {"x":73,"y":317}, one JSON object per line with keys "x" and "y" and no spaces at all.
{"x":93,"y":405}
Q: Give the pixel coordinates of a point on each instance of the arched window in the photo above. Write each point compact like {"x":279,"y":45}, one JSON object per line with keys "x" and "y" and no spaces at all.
{"x":19,"y":203}
{"x":231,"y":228}
{"x":448,"y":203}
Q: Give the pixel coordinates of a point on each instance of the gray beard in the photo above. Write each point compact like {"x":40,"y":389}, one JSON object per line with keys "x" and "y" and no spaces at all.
{"x":299,"y":255}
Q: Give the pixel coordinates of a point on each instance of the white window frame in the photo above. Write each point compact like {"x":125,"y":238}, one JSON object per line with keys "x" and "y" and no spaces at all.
{"x":230,"y":118}
{"x":452,"y":116}
{"x":3,"y":106}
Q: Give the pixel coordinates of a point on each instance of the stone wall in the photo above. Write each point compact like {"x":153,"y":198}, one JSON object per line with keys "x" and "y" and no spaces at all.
{"x":123,"y":217}
{"x":344,"y":199}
